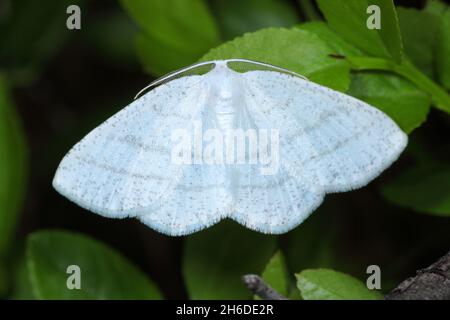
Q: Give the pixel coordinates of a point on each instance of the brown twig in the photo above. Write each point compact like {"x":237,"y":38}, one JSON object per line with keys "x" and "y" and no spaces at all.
{"x":259,"y":287}
{"x":432,"y":283}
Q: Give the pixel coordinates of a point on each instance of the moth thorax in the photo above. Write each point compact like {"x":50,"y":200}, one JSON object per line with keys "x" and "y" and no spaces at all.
{"x":225,"y":114}
{"x":226,"y":95}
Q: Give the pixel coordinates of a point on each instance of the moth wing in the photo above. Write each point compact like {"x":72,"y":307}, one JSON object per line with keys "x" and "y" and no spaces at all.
{"x":328,"y":139}
{"x":328,"y":142}
{"x":200,"y":199}
{"x":123,"y":167}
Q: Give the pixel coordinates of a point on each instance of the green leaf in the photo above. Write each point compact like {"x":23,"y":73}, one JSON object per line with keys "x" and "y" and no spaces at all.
{"x":332,"y":39}
{"x":439,"y":97}
{"x":423,"y":188}
{"x":397,"y":97}
{"x":327,"y":284}
{"x":293,"y":49}
{"x":275,"y":273}
{"x":236,"y":17}
{"x":443,"y":50}
{"x":215,"y":260}
{"x":12,"y":168}
{"x":418,"y":30}
{"x":349,"y":19}
{"x":105,"y":274}
{"x":175,"y":33}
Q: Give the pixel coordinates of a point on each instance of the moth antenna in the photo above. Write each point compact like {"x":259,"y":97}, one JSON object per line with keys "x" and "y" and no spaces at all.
{"x":259,"y":63}
{"x":172,"y":75}
{"x":175,"y":73}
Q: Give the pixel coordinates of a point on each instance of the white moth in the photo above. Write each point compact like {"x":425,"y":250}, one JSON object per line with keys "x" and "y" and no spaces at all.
{"x":171,"y":158}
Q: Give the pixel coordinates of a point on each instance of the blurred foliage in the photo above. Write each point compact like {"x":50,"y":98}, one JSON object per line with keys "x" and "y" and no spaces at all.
{"x":62,"y":83}
{"x":21,"y":288}
{"x":31,"y":33}
{"x":302,"y":247}
{"x":215,"y":259}
{"x":12,"y":167}
{"x":174,"y":32}
{"x":424,"y":188}
{"x":443,"y":49}
{"x":112,"y":37}
{"x":236,"y":17}
{"x":105,"y":273}
{"x":12,"y":178}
